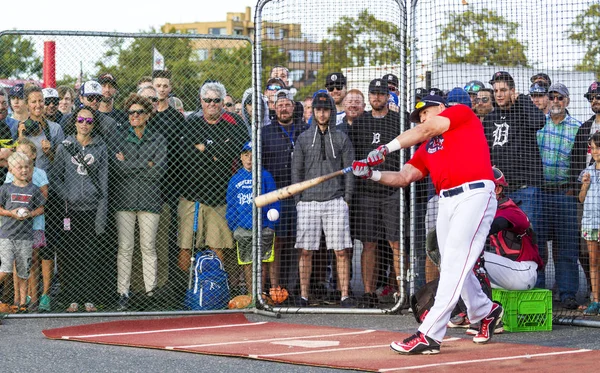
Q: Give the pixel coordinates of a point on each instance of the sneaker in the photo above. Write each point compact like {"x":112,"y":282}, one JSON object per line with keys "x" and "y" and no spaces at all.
{"x":416,"y":344}
{"x":44,"y":303}
{"x":368,"y":300}
{"x":301,"y":302}
{"x":473,"y":329}
{"x":123,"y":303}
{"x":333,"y":298}
{"x":488,"y":324}
{"x":570,"y":303}
{"x":593,"y":309}
{"x":460,"y":320}
{"x":349,"y":302}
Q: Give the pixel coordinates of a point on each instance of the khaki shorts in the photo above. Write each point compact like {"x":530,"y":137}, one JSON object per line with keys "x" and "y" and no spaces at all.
{"x":212,"y":226}
{"x":18,"y":252}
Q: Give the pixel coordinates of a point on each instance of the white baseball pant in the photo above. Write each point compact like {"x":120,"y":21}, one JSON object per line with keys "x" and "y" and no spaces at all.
{"x":508,"y":274}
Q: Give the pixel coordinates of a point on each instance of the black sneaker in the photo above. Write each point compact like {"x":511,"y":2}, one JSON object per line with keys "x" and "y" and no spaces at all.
{"x":417,"y":344}
{"x":570,"y":303}
{"x":488,"y":324}
{"x":333,"y":298}
{"x":349,"y":302}
{"x":369,"y":300}
{"x":123,"y":303}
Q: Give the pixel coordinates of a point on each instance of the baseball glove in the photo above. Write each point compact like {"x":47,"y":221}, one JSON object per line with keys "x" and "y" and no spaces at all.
{"x":431,"y":247}
{"x":422,"y":301}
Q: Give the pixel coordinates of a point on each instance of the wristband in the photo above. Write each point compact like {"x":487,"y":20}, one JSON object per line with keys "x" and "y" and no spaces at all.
{"x":376,"y":175}
{"x":394,"y":145}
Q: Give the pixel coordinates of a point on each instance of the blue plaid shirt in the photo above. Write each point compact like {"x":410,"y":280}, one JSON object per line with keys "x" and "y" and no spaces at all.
{"x":556,"y":142}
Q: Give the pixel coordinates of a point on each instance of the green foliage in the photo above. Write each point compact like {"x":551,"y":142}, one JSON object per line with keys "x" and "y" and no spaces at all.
{"x":232,"y":67}
{"x":361,"y":41}
{"x":483,"y":38}
{"x":585,"y":31}
{"x":18,"y":59}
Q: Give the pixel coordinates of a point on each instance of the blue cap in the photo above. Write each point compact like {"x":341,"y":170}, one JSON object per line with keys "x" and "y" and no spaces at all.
{"x":17,"y":90}
{"x":247,"y":147}
{"x":538,"y":88}
{"x":393,"y":98}
{"x":458,"y":96}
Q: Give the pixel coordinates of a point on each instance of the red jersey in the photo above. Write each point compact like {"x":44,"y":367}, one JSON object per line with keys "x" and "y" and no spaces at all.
{"x":457,"y":156}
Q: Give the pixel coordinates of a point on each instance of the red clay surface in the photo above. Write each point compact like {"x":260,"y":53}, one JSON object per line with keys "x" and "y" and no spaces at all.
{"x":361,"y":349}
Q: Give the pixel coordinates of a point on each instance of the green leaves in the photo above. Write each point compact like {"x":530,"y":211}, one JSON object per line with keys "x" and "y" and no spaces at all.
{"x":483,"y":38}
{"x":18,"y":59}
{"x":585,"y":31}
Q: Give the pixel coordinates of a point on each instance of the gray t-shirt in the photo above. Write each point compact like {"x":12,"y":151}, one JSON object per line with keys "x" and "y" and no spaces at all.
{"x":13,"y":197}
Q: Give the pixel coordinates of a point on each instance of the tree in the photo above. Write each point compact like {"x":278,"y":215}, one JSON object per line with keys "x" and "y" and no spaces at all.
{"x":585,"y":31}
{"x":483,"y":38}
{"x":361,"y":41}
{"x":18,"y":59}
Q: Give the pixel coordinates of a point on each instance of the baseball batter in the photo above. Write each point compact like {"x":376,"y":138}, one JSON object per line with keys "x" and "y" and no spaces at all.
{"x":455,"y":153}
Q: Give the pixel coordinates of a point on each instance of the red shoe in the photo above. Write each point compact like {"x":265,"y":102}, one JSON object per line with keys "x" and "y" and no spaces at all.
{"x":488,"y":324}
{"x":416,"y":344}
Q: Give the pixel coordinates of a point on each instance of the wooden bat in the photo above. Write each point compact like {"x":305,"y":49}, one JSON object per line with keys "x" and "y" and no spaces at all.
{"x":290,"y":190}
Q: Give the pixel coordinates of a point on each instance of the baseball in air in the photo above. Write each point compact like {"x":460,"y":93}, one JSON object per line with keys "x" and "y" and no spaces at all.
{"x":22,"y":212}
{"x":273,"y":214}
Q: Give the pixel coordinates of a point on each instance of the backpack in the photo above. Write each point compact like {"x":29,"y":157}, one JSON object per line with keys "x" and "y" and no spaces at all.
{"x":210,"y":290}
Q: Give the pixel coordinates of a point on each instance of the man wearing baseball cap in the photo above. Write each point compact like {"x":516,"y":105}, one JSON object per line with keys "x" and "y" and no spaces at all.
{"x":450,"y":138}
{"x":472,"y":88}
{"x":375,"y":213}
{"x":392,"y":82}
{"x":320,"y":150}
{"x":562,"y":166}
{"x":110,"y":90}
{"x":51,"y":105}
{"x":541,"y":77}
{"x":16,"y":96}
{"x":592,"y":125}
{"x":335,"y":83}
{"x":511,"y":131}
{"x":538,"y":92}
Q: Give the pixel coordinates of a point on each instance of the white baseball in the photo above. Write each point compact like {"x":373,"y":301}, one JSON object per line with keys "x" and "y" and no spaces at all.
{"x":273,"y":214}
{"x":22,"y":212}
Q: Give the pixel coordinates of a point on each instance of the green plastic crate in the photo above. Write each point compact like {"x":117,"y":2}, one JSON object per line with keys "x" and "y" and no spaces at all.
{"x":525,"y":310}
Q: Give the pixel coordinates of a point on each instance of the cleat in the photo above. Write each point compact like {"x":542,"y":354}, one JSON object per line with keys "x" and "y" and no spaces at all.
{"x":417,"y":344}
{"x":488,"y":324}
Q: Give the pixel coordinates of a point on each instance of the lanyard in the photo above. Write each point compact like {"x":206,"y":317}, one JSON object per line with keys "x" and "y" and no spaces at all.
{"x":290,"y":134}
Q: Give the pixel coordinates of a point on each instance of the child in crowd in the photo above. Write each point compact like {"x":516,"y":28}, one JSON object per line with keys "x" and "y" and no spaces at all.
{"x":239,"y":219}
{"x":590,"y":221}
{"x":40,"y":250}
{"x":20,"y":201}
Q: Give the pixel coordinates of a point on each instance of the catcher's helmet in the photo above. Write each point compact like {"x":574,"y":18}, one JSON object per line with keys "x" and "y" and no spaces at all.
{"x":499,"y":177}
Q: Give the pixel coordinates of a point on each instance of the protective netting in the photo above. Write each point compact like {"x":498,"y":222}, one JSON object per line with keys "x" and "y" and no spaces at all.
{"x":336,"y":243}
{"x":528,"y":68}
{"x":135,"y":160}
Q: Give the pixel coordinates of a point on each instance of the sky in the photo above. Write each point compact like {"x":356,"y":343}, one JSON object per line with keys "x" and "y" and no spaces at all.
{"x":121,"y":16}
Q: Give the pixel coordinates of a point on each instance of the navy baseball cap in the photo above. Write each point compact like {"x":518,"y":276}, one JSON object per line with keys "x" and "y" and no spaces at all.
{"x":17,"y":90}
{"x":538,"y":88}
{"x":501,"y":76}
{"x":322,"y":100}
{"x":425,"y":102}
{"x":335,"y":79}
{"x":458,"y":96}
{"x":541,"y":76}
{"x":593,"y":90}
{"x":378,"y":86}
{"x":391,"y":79}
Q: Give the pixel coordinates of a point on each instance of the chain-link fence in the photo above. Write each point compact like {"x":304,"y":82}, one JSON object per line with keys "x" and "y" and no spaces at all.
{"x":133,"y":160}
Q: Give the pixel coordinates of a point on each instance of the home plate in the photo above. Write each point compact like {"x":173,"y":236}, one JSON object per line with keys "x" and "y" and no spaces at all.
{"x":308,"y":344}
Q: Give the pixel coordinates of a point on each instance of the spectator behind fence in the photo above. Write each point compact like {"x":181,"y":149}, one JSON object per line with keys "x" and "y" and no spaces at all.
{"x":110,"y":91}
{"x":16,"y":94}
{"x":80,"y":177}
{"x":354,"y":107}
{"x":66,"y":96}
{"x":539,"y":95}
{"x":20,"y":202}
{"x":247,"y":108}
{"x":320,"y":150}
{"x":273,"y":86}
{"x":239,"y":219}
{"x":8,"y":126}
{"x":563,"y":159}
{"x":51,"y":101}
{"x":211,"y":147}
{"x":511,"y":133}
{"x":141,"y":162}
{"x":228,"y":103}
{"x":177,"y":104}
{"x":42,"y":255}
{"x":472,"y":88}
{"x":484,"y":103}
{"x":281,"y":72}
{"x":144,"y":81}
{"x":592,"y":125}
{"x":589,"y":195}
{"x":46,"y":135}
{"x":541,"y":78}
{"x":90,"y":94}
{"x":335,"y":83}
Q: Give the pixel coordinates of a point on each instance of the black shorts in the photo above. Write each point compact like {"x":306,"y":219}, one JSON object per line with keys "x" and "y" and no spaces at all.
{"x":375,"y":218}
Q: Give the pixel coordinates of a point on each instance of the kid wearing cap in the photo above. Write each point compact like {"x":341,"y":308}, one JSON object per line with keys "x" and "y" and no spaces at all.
{"x":239,"y":219}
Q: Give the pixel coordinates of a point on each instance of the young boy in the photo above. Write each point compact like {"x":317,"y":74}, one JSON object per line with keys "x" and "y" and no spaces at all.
{"x":239,"y":219}
{"x":20,"y":201}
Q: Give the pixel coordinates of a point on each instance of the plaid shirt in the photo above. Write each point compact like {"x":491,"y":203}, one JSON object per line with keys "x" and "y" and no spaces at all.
{"x":556,"y":143}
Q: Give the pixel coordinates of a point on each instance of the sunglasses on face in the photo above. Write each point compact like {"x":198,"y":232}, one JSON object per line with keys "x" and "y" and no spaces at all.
{"x":229,"y":104}
{"x":211,"y":100}
{"x":274,"y":87}
{"x":138,"y":112}
{"x":391,"y":88}
{"x":595,"y":97}
{"x":331,"y":88}
{"x":88,"y":121}
{"x":535,"y":95}
{"x":51,"y":101}
{"x":556,"y":97}
{"x":94,"y":98}
{"x":483,"y":100}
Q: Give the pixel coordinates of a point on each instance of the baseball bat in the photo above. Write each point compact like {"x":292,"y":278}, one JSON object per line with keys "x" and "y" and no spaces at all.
{"x":290,"y":190}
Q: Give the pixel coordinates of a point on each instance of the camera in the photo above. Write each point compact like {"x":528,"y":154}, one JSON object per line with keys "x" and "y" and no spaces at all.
{"x":32,"y":128}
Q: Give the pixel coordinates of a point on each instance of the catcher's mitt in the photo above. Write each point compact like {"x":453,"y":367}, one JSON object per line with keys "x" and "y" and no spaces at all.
{"x":422,"y":301}
{"x":431,"y":247}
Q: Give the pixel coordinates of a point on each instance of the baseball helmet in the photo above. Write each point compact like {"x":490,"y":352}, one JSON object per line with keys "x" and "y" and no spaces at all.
{"x":499,"y":177}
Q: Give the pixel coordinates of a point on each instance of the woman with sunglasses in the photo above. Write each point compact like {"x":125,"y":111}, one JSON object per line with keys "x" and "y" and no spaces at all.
{"x":80,"y":176}
{"x":140,"y":163}
{"x":45,"y":134}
